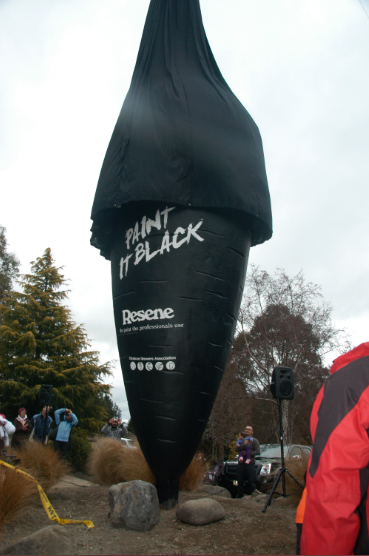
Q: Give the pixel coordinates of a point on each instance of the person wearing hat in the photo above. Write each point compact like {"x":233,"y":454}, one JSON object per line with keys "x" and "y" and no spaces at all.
{"x":22,"y":428}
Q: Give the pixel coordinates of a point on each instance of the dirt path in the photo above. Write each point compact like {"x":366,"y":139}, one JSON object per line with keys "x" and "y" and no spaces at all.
{"x":245,"y":529}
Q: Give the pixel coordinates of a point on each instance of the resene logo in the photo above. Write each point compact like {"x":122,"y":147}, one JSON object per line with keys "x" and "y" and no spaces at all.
{"x":150,"y":314}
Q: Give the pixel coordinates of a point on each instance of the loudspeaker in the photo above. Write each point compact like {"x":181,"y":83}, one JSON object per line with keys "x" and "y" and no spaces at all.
{"x":46,"y":394}
{"x":282,"y":383}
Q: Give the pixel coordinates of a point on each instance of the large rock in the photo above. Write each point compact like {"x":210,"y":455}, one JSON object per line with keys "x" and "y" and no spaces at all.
{"x":134,"y":505}
{"x":200,"y":512}
{"x":49,"y":540}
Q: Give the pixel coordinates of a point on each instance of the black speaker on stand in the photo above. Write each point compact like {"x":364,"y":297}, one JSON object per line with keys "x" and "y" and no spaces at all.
{"x":282,"y":388}
{"x":46,"y":394}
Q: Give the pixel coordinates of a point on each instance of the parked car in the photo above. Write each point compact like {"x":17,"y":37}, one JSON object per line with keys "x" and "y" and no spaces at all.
{"x":224,"y":473}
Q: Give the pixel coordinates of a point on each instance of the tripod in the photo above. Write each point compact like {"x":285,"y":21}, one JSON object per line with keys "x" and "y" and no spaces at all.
{"x":283,"y":470}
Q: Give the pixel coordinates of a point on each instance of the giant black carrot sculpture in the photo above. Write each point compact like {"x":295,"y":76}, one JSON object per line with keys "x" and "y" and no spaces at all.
{"x":182,"y":196}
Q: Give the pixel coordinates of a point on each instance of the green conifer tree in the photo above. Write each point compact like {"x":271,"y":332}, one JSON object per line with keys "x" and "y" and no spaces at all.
{"x":40,"y":344}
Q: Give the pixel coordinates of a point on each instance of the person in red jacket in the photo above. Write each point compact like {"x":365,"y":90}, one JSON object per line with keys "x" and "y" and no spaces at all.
{"x":336,"y":514}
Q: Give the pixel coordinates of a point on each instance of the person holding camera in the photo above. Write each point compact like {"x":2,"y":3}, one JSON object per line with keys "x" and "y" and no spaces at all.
{"x":65,"y":420}
{"x":114,"y":429}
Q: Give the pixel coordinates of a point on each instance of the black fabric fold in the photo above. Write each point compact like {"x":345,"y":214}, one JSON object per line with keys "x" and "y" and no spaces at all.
{"x":182,"y":136}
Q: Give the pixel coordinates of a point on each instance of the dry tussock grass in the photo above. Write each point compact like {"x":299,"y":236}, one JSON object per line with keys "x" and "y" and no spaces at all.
{"x":193,"y":476}
{"x":15,"y":494}
{"x":41,"y":462}
{"x":111,"y":462}
{"x":298,"y":467}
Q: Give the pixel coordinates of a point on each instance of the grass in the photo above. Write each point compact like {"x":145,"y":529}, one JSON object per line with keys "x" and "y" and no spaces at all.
{"x":298,"y":467}
{"x":111,"y":462}
{"x":193,"y":476}
{"x":15,"y":494}
{"x":41,"y":462}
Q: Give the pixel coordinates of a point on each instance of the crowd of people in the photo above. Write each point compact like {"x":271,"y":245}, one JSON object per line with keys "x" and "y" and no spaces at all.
{"x":39,"y":427}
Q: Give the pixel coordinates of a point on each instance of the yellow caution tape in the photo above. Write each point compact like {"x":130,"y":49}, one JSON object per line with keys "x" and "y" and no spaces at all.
{"x":45,"y":501}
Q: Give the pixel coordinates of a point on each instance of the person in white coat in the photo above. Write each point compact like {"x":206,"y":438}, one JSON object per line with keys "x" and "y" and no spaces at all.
{"x":6,"y":429}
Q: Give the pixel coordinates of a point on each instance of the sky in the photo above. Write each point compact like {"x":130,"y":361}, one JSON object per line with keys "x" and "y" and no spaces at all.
{"x":300,"y":67}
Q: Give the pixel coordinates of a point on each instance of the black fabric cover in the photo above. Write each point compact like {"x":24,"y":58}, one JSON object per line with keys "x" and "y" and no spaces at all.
{"x":177,"y":277}
{"x":182,"y":136}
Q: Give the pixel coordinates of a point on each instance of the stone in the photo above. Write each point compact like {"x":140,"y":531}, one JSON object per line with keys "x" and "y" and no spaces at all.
{"x":201,"y":511}
{"x":211,"y":490}
{"x":134,"y":505}
{"x":49,"y":540}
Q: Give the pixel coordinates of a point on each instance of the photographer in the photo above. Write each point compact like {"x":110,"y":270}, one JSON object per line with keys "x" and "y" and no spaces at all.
{"x":65,"y":421}
{"x":114,"y":429}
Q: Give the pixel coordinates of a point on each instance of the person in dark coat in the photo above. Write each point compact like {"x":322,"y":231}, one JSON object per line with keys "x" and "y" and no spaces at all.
{"x":247,"y":470}
{"x":22,"y":428}
{"x":42,"y":425}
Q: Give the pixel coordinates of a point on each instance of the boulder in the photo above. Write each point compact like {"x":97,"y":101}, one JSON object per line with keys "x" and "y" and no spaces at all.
{"x":54,"y":539}
{"x":200,"y":512}
{"x":134,"y":505}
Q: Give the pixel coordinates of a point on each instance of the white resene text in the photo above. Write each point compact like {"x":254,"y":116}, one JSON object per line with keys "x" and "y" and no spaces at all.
{"x":150,"y":314}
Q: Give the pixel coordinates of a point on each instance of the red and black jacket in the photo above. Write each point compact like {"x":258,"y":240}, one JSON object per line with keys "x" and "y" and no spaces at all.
{"x":336,"y":517}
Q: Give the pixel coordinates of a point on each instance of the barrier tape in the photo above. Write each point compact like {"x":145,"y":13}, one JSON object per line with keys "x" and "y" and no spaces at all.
{"x":46,"y":502}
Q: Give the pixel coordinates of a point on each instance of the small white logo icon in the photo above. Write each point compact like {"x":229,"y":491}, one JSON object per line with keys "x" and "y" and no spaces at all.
{"x":159,"y":366}
{"x":149,"y":366}
{"x":140,"y":366}
{"x":170,"y":365}
{"x":133,"y":366}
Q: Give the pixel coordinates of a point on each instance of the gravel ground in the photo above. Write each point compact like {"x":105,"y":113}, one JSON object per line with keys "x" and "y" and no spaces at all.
{"x":245,"y":529}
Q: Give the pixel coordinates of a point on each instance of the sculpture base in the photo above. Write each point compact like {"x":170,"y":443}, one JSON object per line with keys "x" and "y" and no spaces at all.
{"x":167,"y":494}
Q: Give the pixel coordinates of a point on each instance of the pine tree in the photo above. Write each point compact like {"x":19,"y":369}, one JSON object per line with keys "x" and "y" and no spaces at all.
{"x":111,"y":408}
{"x":9,"y":264}
{"x":40,"y":344}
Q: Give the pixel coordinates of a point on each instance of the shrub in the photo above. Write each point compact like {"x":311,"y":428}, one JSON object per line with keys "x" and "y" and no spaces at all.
{"x":41,"y":462}
{"x":15,"y":494}
{"x":111,"y":462}
{"x":232,"y":448}
{"x":298,"y":467}
{"x":193,"y":476}
{"x":80,"y":449}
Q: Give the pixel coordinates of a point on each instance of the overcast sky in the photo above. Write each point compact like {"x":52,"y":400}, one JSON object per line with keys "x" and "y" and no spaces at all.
{"x":300,"y":67}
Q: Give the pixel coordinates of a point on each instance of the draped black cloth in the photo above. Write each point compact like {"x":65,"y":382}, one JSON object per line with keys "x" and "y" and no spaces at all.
{"x":182,"y":136}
